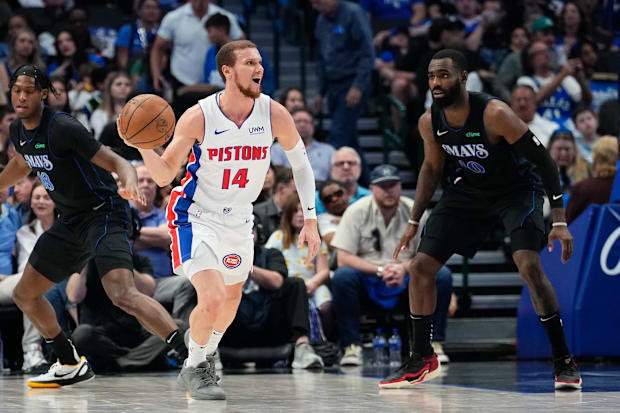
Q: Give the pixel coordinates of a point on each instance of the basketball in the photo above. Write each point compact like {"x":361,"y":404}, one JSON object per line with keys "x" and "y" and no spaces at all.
{"x":146,"y":121}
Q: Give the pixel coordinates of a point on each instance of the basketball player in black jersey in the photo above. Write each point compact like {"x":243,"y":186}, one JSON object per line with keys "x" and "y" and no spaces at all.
{"x":93,"y":222}
{"x":499,"y":172}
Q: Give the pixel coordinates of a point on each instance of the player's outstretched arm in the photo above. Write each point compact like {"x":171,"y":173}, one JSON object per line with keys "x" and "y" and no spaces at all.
{"x":428,"y":179}
{"x":15,"y":170}
{"x":284,"y":130}
{"x":189,"y":130}
{"x":502,"y":121}
{"x":109,"y":160}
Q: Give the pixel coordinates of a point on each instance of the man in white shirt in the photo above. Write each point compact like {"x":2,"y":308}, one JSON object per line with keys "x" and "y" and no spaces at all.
{"x":523,"y":102}
{"x":183,"y":31}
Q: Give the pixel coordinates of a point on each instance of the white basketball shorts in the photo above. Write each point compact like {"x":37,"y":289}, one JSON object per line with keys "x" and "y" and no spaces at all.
{"x":216,"y":239}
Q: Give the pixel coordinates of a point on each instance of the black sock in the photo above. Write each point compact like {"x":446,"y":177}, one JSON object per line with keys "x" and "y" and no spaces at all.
{"x":176,"y":341}
{"x":63,"y":348}
{"x":422,"y":334}
{"x":555,"y":332}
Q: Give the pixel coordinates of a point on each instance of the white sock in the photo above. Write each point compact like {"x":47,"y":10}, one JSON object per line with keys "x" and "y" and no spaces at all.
{"x":197,"y":353}
{"x":213,"y":342}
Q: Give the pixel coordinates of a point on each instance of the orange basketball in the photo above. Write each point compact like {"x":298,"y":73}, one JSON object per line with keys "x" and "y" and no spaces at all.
{"x":147,"y":121}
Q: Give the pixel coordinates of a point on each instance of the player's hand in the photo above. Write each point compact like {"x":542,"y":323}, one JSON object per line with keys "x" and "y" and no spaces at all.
{"x":310,"y":234}
{"x":311,"y":286}
{"x":354,"y":96}
{"x":563,"y":235}
{"x":405,"y":240}
{"x":128,"y":189}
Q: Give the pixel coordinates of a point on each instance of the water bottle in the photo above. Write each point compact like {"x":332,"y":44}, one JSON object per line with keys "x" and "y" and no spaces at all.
{"x":379,"y":345}
{"x":395,"y":345}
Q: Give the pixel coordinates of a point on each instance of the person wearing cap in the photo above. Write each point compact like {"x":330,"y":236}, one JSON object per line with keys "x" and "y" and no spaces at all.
{"x":367,"y":278}
{"x":511,"y":69}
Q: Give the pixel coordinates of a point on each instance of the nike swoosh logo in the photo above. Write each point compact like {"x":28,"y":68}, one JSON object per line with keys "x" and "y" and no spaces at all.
{"x":22,"y":143}
{"x":217,"y":132}
{"x":79,"y":373}
{"x":98,"y":206}
{"x":547,"y":319}
{"x":556,"y":197}
{"x":440,"y":133}
{"x":310,"y":209}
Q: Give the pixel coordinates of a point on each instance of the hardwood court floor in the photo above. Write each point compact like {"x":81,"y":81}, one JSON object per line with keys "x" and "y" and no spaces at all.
{"x":465,"y":387}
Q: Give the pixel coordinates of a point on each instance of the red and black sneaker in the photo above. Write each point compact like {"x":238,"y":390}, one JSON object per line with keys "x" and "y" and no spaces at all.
{"x":414,"y":370}
{"x":566,"y":374}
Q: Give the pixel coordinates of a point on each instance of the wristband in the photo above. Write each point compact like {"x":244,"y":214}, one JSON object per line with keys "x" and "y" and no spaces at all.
{"x":559,"y":224}
{"x":413,"y":222}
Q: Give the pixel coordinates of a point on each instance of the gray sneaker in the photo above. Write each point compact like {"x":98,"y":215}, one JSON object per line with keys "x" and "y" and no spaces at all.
{"x":306,"y":358}
{"x":201,"y":381}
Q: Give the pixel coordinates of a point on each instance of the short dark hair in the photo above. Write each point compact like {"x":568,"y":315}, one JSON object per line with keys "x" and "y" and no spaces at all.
{"x":283,"y":175}
{"x":218,"y":20}
{"x":458,"y":59}
{"x":582,"y":109}
{"x":325,"y":184}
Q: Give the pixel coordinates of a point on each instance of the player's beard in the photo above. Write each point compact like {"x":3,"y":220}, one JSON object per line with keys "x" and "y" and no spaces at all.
{"x":248,"y":91}
{"x":450,"y":96}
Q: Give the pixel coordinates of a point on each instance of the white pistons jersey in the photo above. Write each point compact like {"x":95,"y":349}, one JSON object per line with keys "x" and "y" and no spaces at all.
{"x":228,"y":168}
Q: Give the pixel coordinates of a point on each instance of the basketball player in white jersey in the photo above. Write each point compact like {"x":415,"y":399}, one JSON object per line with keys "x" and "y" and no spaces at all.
{"x":210,"y":217}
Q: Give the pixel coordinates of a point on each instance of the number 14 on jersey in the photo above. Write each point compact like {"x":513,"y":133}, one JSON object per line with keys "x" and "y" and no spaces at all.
{"x":240,"y":178}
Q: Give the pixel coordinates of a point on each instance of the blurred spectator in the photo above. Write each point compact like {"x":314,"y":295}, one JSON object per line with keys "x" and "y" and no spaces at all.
{"x":489,"y":38}
{"x":46,"y":20}
{"x":557,"y":94}
{"x":69,"y":57}
{"x":314,"y":274}
{"x":85,"y":97}
{"x":59,"y":101}
{"x":292,"y":98}
{"x":172,"y":291}
{"x":16,"y":23}
{"x":346,"y":168}
{"x":116,"y":89}
{"x":24,"y":49}
{"x":512,"y":67}
{"x":9,"y":224}
{"x":608,"y":118}
{"x":78,"y":23}
{"x":320,"y":154}
{"x":595,"y":190}
{"x":273,"y":309}
{"x":571,"y":166}
{"x":333,"y":196}
{"x":41,"y":220}
{"x":21,"y":196}
{"x":133,"y":40}
{"x":218,"y":29}
{"x":519,"y":38}
{"x":367,"y":277}
{"x":523,"y":103}
{"x":7,"y":115}
{"x":346,"y":61}
{"x":268,"y":214}
{"x":182,"y":31}
{"x":386,"y":14}
{"x":572,"y":28}
{"x":586,"y":123}
{"x":468,"y":12}
{"x":268,"y":185}
{"x":111,"y":338}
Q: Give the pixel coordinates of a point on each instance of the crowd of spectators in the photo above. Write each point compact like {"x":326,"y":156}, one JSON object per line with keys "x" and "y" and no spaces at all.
{"x":555,"y":63}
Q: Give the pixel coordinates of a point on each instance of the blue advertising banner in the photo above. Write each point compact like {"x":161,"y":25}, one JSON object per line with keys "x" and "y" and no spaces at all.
{"x":588,"y":289}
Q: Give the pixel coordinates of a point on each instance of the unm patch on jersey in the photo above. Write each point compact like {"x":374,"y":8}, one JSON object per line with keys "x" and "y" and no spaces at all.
{"x":231,"y":261}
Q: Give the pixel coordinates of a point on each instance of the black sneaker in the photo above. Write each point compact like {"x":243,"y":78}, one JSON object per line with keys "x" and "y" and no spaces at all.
{"x":566,"y":374}
{"x":414,"y":370}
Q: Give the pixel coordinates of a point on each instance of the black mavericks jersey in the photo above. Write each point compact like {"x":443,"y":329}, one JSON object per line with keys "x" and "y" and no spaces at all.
{"x":59,"y":150}
{"x":482,"y":166}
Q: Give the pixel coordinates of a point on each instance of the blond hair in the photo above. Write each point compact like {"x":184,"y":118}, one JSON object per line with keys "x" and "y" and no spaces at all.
{"x":605,"y":156}
{"x":226,"y":55}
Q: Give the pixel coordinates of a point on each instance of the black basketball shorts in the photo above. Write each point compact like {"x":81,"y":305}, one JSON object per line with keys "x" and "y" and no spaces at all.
{"x":66,"y":248}
{"x":460,"y":222}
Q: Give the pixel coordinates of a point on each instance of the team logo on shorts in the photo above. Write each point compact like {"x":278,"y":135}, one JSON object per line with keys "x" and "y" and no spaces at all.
{"x":231,"y":261}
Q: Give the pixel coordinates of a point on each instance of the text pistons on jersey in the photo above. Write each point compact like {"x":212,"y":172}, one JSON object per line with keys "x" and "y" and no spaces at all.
{"x":473,"y":150}
{"x":236,"y":153}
